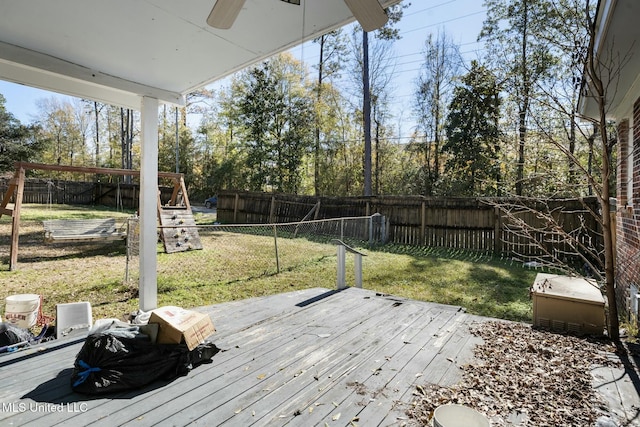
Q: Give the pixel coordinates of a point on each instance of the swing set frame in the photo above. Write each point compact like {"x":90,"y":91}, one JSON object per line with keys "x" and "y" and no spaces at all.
{"x":15,"y":191}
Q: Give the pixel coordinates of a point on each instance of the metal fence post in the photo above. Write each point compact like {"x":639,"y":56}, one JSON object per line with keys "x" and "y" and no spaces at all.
{"x":341,"y":279}
{"x":275,"y":241}
{"x":358,"y":270}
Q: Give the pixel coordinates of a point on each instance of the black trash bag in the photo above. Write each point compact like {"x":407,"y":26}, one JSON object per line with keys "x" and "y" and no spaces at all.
{"x":110,"y":363}
{"x":10,"y":334}
{"x":202,"y":354}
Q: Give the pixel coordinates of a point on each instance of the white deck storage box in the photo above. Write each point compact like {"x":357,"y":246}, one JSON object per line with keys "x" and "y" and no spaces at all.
{"x":567,"y":304}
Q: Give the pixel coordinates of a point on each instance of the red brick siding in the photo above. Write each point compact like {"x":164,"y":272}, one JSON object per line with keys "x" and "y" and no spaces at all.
{"x":636,"y":152}
{"x":628,"y":213}
{"x":623,"y":164}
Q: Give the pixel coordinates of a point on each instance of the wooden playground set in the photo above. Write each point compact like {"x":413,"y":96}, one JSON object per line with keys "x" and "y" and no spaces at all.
{"x":177,"y":227}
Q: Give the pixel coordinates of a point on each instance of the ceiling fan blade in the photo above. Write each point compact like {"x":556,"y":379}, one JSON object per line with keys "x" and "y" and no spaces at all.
{"x":224,"y":13}
{"x":369,"y":14}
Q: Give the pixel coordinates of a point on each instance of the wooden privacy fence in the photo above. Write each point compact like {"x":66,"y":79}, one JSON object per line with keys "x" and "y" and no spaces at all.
{"x":113,"y":194}
{"x":454,"y":223}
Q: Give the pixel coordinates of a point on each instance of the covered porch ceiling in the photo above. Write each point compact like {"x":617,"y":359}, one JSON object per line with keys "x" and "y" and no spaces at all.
{"x":616,"y":39}
{"x":117,"y":51}
{"x":137,"y":53}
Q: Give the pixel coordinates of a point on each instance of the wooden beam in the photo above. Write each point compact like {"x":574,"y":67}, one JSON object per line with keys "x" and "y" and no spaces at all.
{"x":174,"y":194}
{"x":92,"y":170}
{"x":185,"y":198}
{"x":7,"y":196}
{"x":15,"y":222}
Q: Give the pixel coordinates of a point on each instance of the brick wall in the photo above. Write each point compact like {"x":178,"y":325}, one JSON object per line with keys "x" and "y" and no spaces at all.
{"x":628,"y":212}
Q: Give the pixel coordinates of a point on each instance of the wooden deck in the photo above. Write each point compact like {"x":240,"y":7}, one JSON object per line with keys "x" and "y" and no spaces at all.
{"x":299,"y":359}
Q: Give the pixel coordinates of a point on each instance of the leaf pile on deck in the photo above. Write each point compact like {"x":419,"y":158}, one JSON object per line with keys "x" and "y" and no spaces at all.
{"x":521,"y":374}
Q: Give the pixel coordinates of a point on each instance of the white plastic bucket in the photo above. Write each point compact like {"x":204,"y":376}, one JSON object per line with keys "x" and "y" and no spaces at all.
{"x":458,"y":416}
{"x":22,"y":310}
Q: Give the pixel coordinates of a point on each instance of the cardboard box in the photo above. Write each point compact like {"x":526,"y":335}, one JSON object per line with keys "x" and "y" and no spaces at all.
{"x":178,"y":325}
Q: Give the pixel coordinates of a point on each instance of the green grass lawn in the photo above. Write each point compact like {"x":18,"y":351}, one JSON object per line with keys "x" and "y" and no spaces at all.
{"x":235,"y":265}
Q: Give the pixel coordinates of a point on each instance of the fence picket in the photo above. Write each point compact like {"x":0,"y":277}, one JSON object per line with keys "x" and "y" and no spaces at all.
{"x":452,"y":223}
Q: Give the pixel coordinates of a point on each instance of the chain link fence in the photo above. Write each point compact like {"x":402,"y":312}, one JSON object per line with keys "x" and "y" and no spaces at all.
{"x":233,"y":253}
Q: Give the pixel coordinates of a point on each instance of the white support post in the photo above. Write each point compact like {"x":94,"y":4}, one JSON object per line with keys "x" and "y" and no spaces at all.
{"x":358,"y":272}
{"x":148,"y":285}
{"x":341,"y":280}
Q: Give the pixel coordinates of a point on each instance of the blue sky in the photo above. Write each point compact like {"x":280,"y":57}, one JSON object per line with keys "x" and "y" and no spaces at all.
{"x":461,"y":19}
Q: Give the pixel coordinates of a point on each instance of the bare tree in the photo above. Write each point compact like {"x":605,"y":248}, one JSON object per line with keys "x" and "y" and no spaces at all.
{"x":126,"y":140}
{"x":584,"y":248}
{"x":332,"y":49}
{"x":512,"y":31}
{"x":388,"y":33}
{"x":373,"y":70}
{"x":434,"y":88}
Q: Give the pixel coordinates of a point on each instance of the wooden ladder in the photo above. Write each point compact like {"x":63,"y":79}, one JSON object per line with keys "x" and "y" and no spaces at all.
{"x":178,"y":229}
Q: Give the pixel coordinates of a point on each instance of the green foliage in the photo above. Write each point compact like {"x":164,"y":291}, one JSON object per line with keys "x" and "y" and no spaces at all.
{"x":18,"y":143}
{"x":333,"y":48}
{"x":631,"y":328}
{"x":271,"y":129}
{"x":183,"y":154}
{"x":389,"y":31}
{"x":64,"y":132}
{"x":276,"y":121}
{"x":473,"y":135}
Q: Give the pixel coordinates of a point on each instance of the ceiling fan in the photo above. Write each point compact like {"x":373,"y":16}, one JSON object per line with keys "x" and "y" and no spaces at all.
{"x":369,"y":14}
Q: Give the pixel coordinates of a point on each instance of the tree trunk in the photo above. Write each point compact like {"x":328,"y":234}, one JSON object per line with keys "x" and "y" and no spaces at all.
{"x":316,"y":166}
{"x":599,"y":92}
{"x":366,"y":112}
{"x":523,"y":105}
{"x":97,"y":124}
{"x":376,"y":167}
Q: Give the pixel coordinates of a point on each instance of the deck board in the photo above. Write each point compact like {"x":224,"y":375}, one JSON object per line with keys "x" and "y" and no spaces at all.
{"x":364,"y":387}
{"x":325,"y":378}
{"x":302,"y":358}
{"x":258,"y":361}
{"x":345,"y":337}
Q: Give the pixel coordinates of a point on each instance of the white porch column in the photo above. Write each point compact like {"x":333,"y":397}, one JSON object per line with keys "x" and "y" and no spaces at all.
{"x":148,"y":285}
